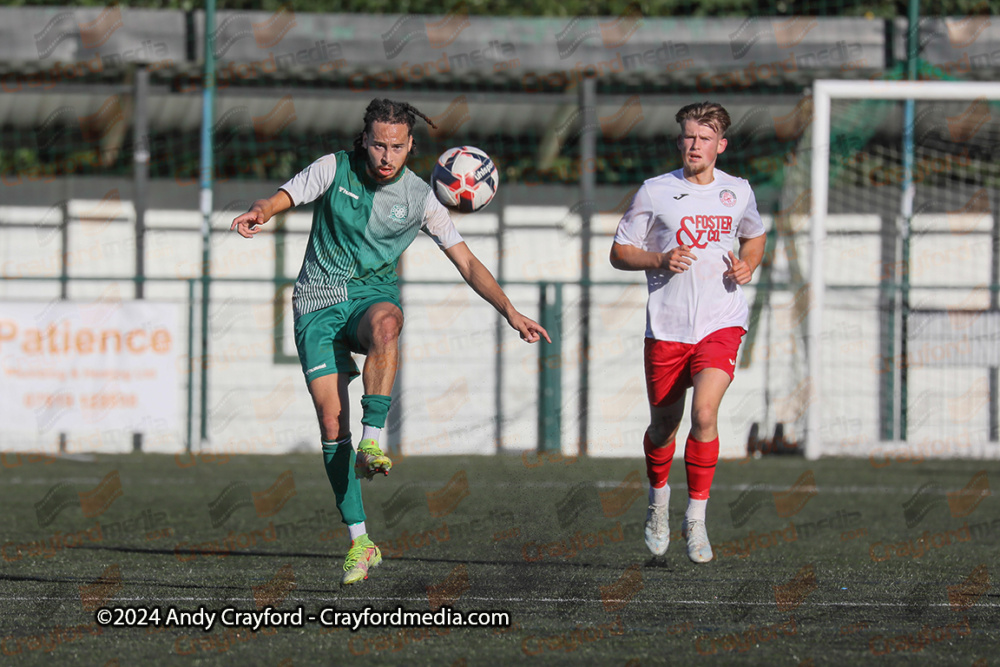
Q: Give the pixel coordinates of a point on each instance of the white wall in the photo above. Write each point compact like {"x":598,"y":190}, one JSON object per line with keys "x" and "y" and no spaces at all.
{"x":448,"y":377}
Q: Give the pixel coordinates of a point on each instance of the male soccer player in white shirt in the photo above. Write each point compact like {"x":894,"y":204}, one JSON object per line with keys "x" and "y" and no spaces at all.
{"x":680,"y":229}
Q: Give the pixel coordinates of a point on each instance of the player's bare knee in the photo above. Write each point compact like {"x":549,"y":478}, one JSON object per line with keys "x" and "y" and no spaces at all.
{"x":386,"y":328}
{"x":704,"y":417}
{"x":334,"y":425}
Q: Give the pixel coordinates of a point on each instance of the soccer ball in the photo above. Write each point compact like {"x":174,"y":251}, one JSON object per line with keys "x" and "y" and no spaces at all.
{"x":465,"y":179}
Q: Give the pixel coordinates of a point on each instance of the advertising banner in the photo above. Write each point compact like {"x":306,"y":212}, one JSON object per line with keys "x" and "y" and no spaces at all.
{"x":68,"y":366}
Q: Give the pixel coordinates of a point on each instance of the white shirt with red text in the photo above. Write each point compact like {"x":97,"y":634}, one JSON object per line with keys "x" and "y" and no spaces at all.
{"x":669,"y":211}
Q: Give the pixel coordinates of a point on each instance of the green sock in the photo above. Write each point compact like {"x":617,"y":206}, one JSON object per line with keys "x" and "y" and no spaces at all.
{"x":375,"y":409}
{"x":338,"y":458}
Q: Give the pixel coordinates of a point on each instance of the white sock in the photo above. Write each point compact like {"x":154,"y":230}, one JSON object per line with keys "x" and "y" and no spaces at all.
{"x":356,"y":530}
{"x":370,"y":433}
{"x":660,"y":496}
{"x":696,"y":510}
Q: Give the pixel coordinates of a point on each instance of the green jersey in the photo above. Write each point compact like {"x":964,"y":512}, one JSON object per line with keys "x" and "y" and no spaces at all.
{"x":360,"y":228}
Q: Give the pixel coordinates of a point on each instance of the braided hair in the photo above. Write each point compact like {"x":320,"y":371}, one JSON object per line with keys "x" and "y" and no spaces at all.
{"x":389,"y":111}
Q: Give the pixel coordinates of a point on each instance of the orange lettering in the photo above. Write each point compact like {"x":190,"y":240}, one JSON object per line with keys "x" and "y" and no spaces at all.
{"x":161,"y":342}
{"x":130,"y":339}
{"x":85,"y":341}
{"x":111,"y":333}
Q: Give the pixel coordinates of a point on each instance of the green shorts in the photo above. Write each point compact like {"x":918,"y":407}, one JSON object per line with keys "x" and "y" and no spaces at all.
{"x":326,"y":338}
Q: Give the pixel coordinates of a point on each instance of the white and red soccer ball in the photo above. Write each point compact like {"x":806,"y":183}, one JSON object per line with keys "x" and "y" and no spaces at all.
{"x":465,"y":179}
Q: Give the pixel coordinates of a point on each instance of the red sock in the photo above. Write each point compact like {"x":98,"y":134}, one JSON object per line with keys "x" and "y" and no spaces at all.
{"x":658,"y":460}
{"x":699,"y":462}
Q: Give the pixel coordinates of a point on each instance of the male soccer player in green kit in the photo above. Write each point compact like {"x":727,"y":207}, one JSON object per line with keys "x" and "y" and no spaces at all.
{"x":368,"y":209}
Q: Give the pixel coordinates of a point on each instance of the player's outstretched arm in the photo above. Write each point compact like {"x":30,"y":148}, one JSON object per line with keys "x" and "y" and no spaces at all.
{"x":485,"y":285}
{"x":260,"y":212}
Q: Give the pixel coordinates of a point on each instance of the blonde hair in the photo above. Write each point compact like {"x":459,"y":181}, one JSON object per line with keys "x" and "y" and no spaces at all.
{"x":706,"y":113}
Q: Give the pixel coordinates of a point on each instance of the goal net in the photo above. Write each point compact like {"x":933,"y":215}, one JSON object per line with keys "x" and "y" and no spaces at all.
{"x":889,"y":259}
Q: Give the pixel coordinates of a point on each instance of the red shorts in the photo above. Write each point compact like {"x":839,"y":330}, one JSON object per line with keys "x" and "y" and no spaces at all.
{"x":671,"y":365}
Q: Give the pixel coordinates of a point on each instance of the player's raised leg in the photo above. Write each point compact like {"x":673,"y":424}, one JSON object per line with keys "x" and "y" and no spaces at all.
{"x":378,"y":333}
{"x":330,"y":398}
{"x":701,"y":454}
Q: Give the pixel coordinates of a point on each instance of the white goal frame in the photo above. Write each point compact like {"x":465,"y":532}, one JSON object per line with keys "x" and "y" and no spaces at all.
{"x":824,"y":92}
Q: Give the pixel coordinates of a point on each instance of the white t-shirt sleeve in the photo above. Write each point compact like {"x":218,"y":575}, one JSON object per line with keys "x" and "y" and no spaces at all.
{"x":634,"y":226}
{"x":309,"y":184}
{"x":438,"y":224}
{"x":751,"y":226}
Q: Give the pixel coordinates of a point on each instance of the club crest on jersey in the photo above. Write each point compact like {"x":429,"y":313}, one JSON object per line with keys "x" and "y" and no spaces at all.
{"x":728,"y":198}
{"x":398,"y":212}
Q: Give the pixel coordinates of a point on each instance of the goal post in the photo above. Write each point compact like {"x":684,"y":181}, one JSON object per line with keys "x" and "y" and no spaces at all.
{"x":981,"y":343}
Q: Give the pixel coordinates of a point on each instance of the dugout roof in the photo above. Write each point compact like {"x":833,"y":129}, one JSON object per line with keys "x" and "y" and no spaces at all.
{"x":516,"y":76}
